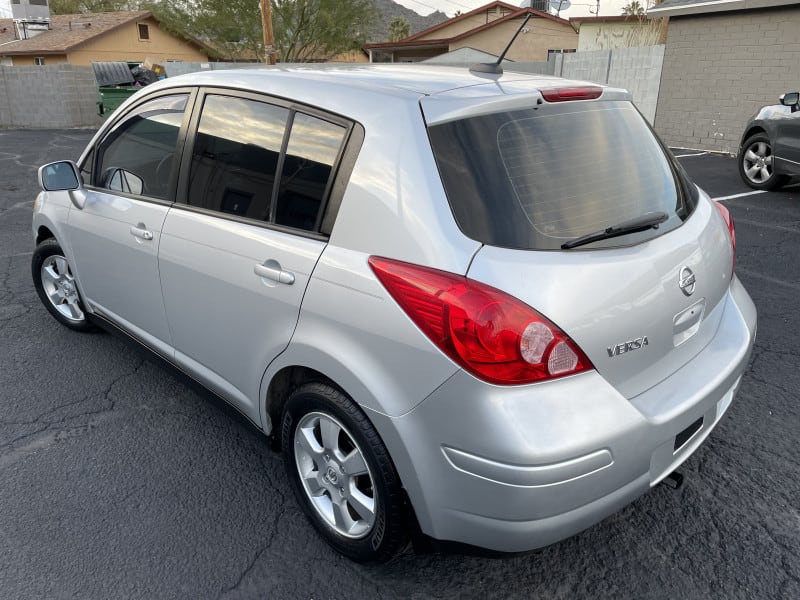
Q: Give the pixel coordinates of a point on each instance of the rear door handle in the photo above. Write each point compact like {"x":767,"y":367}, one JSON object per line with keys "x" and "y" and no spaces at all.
{"x":271,"y":269}
{"x":140,"y":231}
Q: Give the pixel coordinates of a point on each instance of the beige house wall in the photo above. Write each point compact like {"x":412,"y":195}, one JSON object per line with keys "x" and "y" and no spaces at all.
{"x":27,"y":60}
{"x":417,"y":55}
{"x":607,"y":36}
{"x":532,"y":46}
{"x":464,"y":25}
{"x":124,"y":44}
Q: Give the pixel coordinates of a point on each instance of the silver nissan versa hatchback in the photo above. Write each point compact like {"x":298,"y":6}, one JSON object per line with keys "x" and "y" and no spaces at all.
{"x":489,"y":308}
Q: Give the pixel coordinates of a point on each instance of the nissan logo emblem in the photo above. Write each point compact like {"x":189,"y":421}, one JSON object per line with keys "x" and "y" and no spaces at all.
{"x":686,"y":281}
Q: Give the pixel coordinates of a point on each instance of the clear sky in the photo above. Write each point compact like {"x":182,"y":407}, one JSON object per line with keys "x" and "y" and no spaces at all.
{"x":580,"y":8}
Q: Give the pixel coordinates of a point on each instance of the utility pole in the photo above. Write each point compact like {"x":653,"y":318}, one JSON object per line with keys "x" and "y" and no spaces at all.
{"x":269,"y":38}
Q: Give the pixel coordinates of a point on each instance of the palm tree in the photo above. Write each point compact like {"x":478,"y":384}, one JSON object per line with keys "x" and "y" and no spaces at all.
{"x":399,"y":28}
{"x":633,"y":9}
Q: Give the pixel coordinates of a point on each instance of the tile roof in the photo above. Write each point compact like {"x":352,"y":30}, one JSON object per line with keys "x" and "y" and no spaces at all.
{"x":66,"y":31}
{"x":413,"y":41}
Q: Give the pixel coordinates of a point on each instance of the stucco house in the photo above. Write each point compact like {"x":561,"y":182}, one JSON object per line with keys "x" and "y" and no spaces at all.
{"x":95,"y":37}
{"x":486,"y":29}
{"x":607,"y":33}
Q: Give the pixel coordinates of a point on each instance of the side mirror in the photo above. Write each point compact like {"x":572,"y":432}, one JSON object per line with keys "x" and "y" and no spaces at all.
{"x":790,"y":99}
{"x":60,"y":176}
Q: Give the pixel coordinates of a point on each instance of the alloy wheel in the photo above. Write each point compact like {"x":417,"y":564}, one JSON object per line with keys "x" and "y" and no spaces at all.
{"x":59,"y":287}
{"x":335,"y":476}
{"x":757,"y":162}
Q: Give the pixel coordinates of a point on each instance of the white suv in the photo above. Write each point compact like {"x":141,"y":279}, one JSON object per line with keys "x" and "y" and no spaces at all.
{"x":490,"y":305}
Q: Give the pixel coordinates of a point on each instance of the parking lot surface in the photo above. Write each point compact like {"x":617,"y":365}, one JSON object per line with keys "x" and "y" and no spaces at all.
{"x":118,"y":481}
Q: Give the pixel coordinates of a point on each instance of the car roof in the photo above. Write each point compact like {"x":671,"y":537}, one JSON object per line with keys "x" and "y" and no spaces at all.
{"x":366,"y":91}
{"x":414,"y":78}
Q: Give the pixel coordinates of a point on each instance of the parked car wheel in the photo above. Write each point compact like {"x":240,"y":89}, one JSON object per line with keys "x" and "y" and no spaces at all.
{"x":342,"y":474}
{"x":756,"y":164}
{"x":55,"y":284}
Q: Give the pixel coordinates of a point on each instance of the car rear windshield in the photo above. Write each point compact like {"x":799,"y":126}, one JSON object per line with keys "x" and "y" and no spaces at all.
{"x":537,"y":178}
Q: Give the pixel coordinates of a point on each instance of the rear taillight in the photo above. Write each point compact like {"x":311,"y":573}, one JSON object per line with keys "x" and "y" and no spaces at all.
{"x":492,"y":335}
{"x":726,"y":214}
{"x":564,"y":94}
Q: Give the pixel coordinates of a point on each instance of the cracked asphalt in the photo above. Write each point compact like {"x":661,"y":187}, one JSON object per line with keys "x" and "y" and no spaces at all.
{"x":118,"y":481}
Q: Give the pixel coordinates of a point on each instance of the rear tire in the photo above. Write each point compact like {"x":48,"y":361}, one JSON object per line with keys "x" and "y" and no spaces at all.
{"x":56,"y":286}
{"x":342,"y":475}
{"x":756,"y":164}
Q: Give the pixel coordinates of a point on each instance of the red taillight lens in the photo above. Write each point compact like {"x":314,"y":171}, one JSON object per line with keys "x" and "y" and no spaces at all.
{"x":489,"y":333}
{"x":571,"y":93}
{"x":726,"y":214}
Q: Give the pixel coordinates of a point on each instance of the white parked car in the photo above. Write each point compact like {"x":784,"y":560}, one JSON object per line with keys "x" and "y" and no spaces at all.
{"x":493,"y":304}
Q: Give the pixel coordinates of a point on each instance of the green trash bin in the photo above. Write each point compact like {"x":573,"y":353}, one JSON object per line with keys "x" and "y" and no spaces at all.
{"x":113,"y":96}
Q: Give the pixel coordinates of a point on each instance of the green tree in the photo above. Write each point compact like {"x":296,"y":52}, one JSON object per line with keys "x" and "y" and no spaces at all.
{"x":319,"y":29}
{"x":71,"y":7}
{"x":399,"y":28}
{"x":305,"y":30}
{"x":232,"y":28}
{"x":633,"y":9}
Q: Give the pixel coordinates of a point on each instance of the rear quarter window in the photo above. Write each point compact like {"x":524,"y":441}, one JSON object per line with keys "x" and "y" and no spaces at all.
{"x":536,"y":178}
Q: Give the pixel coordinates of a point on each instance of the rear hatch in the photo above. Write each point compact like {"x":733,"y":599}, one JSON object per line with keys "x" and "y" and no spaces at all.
{"x":528,"y":179}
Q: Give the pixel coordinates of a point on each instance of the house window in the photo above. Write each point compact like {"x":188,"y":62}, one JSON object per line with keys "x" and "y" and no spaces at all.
{"x":144,"y":31}
{"x":38,"y":60}
{"x":553,"y":51}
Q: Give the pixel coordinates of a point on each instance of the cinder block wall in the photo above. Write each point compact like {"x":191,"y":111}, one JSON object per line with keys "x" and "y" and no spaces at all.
{"x":719,"y":69}
{"x":637,"y":70}
{"x":49,"y":96}
{"x":587,"y":66}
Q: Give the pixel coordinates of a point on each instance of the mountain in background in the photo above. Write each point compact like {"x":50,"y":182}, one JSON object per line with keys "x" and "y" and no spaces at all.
{"x":389,"y":9}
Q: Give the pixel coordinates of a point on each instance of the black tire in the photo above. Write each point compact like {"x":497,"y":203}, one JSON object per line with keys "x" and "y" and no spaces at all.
{"x":761,"y":147}
{"x":388,"y":534}
{"x":48,"y":251}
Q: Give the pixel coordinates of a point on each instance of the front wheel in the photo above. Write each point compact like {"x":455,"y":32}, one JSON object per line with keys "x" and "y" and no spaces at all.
{"x":756,"y":164}
{"x":56,"y":286}
{"x":342,"y":474}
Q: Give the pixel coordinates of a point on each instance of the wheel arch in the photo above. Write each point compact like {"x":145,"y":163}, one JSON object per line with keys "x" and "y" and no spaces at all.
{"x":755,"y":129}
{"x":280,"y":388}
{"x":43,"y":233}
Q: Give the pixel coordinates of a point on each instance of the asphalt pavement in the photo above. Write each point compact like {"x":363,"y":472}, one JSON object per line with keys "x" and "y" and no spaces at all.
{"x":118,"y":481}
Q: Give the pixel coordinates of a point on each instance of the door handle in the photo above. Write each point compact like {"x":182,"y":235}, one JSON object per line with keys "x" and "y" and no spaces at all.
{"x":139,"y":231}
{"x":271,"y":269}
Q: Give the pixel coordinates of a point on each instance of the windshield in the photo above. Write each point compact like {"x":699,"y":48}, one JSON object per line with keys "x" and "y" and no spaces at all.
{"x":536,"y":178}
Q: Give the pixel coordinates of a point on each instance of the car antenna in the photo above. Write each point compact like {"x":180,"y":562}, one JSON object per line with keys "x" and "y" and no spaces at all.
{"x":495,"y":67}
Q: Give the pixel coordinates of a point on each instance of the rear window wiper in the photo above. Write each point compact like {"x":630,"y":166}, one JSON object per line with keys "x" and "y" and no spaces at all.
{"x":647,"y":221}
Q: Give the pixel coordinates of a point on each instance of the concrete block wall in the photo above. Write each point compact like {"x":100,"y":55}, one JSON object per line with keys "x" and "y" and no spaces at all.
{"x":587,"y":66}
{"x":719,"y":69}
{"x":637,"y":70}
{"x":49,"y":96}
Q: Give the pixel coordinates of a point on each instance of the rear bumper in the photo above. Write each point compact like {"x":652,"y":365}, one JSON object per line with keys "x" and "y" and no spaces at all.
{"x":517,"y":468}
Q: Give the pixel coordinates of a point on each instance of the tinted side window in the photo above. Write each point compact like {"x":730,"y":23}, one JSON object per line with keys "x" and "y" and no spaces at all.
{"x":138,"y":156}
{"x":313,"y":147}
{"x":235,"y":156}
